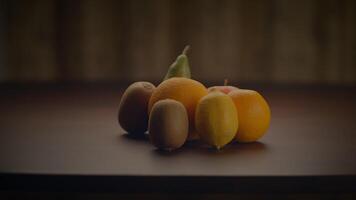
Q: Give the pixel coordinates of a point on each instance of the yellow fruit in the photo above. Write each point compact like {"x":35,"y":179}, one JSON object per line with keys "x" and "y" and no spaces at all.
{"x":254,"y":114}
{"x":187,"y":91}
{"x":216,"y":119}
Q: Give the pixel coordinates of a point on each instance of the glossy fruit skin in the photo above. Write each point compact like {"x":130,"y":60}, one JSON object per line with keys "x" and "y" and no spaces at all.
{"x":180,"y":67}
{"x":254,"y":114}
{"x":224,"y":88}
{"x":168,"y":124}
{"x":133,"y":115}
{"x":187,"y":91}
{"x":216,"y":119}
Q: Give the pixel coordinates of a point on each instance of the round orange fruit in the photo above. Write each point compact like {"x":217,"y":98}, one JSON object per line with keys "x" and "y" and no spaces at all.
{"x":185,"y":90}
{"x":254,"y":114}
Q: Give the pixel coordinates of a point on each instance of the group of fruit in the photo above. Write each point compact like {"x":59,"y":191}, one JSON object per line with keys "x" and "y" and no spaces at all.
{"x":181,"y":109}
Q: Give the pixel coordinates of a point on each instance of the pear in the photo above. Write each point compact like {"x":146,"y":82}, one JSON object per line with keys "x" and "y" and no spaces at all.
{"x":180,"y":67}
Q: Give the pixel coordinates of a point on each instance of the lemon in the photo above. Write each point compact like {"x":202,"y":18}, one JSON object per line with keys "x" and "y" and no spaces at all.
{"x":216,"y":119}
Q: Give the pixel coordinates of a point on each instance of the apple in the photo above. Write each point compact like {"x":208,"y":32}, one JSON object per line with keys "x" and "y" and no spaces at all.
{"x":223,"y":88}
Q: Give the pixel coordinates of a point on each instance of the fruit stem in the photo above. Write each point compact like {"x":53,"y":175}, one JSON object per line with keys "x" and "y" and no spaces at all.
{"x":185,"y":50}
{"x":225,"y":82}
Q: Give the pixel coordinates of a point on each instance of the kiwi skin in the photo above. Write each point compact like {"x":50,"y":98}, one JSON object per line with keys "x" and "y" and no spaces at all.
{"x":133,"y":108}
{"x":168,"y":125}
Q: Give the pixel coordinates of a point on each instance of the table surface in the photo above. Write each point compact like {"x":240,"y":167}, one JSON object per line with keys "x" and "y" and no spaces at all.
{"x":72,"y":130}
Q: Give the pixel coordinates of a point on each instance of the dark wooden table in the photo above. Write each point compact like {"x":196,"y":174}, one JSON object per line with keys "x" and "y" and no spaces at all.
{"x":66,"y":138}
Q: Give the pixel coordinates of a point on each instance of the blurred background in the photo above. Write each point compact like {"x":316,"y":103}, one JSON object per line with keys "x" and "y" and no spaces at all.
{"x":278,"y":41}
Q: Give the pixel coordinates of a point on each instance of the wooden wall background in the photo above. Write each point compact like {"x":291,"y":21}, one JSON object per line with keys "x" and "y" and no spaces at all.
{"x":303,"y":41}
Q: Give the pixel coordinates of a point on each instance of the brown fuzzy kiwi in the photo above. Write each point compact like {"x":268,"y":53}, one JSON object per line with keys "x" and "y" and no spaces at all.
{"x":168,"y":124}
{"x":133,"y":114}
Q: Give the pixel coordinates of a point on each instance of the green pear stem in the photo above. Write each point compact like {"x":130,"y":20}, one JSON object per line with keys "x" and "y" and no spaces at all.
{"x":185,"y":50}
{"x":225,"y":82}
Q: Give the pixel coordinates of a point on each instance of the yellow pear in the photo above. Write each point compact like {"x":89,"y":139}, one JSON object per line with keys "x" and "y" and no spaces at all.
{"x":216,"y":119}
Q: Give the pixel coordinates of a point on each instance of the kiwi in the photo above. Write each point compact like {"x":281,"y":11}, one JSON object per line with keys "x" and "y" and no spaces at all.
{"x":168,"y":124}
{"x":133,"y":108}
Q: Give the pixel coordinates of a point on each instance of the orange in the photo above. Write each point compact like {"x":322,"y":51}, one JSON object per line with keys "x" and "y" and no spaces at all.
{"x":187,"y":91}
{"x":254,"y":114}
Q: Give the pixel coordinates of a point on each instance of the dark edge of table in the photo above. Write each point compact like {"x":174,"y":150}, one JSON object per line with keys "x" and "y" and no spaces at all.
{"x":177,"y":184}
